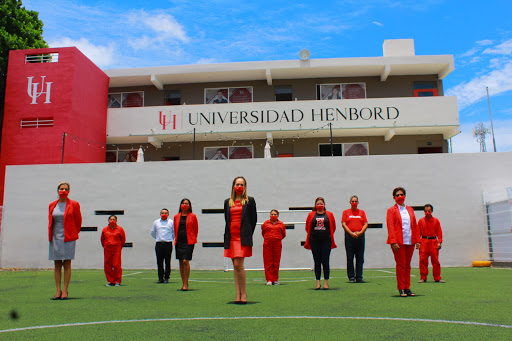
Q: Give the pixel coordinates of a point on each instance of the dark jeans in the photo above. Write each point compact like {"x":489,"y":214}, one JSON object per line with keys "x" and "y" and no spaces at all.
{"x":163,"y":253}
{"x":321,"y":250}
{"x":354,"y":247}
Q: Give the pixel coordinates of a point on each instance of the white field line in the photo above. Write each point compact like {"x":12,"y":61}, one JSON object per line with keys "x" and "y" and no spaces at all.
{"x":133,"y":273}
{"x":261,"y":318}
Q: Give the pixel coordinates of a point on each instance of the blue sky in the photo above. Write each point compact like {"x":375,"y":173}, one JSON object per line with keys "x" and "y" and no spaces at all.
{"x":125,"y":34}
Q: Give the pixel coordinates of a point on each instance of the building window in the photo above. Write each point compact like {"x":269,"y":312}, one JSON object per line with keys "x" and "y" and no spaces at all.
{"x":228,"y":95}
{"x":126,"y":99}
{"x":424,"y":89}
{"x":36,"y":122}
{"x":343,"y":149}
{"x":226,"y":153}
{"x":172,"y":97}
{"x":121,"y":155}
{"x":341,"y":91}
{"x":42,"y":58}
{"x":283,"y":93}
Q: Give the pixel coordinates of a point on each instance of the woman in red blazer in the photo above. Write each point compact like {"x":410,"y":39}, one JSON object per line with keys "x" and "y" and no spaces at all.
{"x":185,"y":236}
{"x":320,"y":227}
{"x":403,"y":235}
{"x":64,"y":222}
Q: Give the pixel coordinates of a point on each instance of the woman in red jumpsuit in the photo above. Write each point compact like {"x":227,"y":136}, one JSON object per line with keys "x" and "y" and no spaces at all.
{"x":112,"y":240}
{"x":403,"y":235}
{"x":273,"y":231}
{"x":240,"y":216}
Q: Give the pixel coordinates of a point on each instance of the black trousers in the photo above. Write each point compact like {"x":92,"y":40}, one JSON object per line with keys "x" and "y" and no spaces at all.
{"x":321,"y":250}
{"x":163,"y":254}
{"x":354,"y":247}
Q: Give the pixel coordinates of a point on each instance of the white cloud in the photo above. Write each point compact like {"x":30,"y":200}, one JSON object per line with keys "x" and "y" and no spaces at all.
{"x":503,"y":48}
{"x":377,"y":23}
{"x":100,"y":55}
{"x":484,"y":42}
{"x":499,"y":81}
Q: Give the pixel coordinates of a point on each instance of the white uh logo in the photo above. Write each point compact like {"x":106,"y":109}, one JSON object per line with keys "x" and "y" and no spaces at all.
{"x":33,"y":92}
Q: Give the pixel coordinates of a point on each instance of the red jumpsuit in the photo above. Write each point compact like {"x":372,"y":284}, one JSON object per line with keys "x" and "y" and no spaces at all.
{"x":431,"y":236}
{"x":112,"y":240}
{"x":272,"y":246}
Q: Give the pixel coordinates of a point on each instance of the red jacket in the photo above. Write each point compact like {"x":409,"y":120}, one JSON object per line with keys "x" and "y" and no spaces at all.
{"x":271,"y":231}
{"x":192,"y":228}
{"x":431,"y":228}
{"x":113,"y":238}
{"x":394,"y":224}
{"x":332,"y":228}
{"x":72,"y":220}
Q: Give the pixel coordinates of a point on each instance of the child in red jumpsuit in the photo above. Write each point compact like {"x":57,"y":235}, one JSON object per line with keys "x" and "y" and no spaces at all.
{"x":112,"y":240}
{"x":273,"y":232}
{"x":431,"y":240}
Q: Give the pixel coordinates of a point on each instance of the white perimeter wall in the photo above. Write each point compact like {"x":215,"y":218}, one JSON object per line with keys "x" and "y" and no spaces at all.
{"x":453,"y":183}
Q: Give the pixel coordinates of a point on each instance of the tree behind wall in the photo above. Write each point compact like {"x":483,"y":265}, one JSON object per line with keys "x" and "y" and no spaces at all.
{"x":19,"y":29}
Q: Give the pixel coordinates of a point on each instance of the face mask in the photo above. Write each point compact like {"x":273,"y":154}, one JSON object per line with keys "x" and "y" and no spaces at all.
{"x":400,"y":200}
{"x":428,"y":214}
{"x":319,"y":207}
{"x":164,"y":216}
{"x":239,"y":190}
{"x":112,"y":223}
{"x":63,"y":193}
{"x":184,"y":207}
{"x":273,"y":218}
{"x":354,"y":205}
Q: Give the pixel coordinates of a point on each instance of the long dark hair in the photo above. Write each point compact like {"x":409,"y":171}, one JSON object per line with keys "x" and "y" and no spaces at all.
{"x":189,"y":205}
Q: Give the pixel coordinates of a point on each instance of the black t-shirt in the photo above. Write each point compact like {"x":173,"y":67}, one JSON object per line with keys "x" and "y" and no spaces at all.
{"x":320,"y":227}
{"x":182,"y":231}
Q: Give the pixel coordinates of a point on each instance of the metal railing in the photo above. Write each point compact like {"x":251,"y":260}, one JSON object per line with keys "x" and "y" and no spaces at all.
{"x":42,"y":58}
{"x":498,"y":208}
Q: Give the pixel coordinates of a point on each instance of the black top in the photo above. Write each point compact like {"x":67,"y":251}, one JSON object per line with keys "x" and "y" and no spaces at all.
{"x":320,"y":227}
{"x":182,"y":231}
{"x":247,"y":225}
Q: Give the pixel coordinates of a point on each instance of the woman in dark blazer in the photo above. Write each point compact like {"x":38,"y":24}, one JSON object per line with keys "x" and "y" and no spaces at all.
{"x":64,"y":223}
{"x":240,"y":216}
{"x":403,"y":235}
{"x":185,"y":237}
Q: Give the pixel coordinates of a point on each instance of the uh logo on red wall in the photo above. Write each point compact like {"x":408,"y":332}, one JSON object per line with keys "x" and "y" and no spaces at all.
{"x":169,"y":122}
{"x":36,"y":89}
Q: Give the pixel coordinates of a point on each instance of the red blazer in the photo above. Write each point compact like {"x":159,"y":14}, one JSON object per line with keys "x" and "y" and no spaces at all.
{"x":72,"y":220}
{"x":332,"y":228}
{"x":192,"y":228}
{"x":394,"y":224}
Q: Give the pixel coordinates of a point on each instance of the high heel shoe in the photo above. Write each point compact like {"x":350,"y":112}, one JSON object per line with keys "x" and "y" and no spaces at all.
{"x":64,"y":298}
{"x":55,"y":298}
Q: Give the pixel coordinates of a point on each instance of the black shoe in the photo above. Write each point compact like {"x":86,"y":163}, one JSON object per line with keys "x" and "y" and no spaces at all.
{"x":360,"y":280}
{"x":402,"y":293}
{"x":160,"y":281}
{"x":352,"y":280}
{"x":409,"y":292}
{"x":166,"y":281}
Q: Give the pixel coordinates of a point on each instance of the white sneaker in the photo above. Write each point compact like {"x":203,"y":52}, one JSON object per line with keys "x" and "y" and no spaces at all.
{"x":276,"y":283}
{"x":118,"y":284}
{"x":269,"y":283}
{"x":109,"y":284}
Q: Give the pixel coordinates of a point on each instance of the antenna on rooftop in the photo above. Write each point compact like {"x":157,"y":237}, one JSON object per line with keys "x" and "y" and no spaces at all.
{"x":479,"y":132}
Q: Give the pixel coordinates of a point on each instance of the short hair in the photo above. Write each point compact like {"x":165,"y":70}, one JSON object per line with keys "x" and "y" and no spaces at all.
{"x":164,"y":209}
{"x":64,"y":183}
{"x":112,"y":216}
{"x":398,"y":189}
{"x":428,"y":205}
{"x":274,"y":210}
{"x":352,"y":197}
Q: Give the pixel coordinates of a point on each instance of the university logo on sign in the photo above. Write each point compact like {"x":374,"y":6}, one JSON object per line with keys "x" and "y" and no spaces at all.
{"x":34,"y":91}
{"x":164,"y":122}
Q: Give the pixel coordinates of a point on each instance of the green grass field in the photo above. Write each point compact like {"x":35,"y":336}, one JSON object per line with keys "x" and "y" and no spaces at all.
{"x":474,"y":304}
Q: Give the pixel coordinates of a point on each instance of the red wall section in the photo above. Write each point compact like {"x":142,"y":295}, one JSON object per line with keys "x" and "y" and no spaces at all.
{"x":78,"y":104}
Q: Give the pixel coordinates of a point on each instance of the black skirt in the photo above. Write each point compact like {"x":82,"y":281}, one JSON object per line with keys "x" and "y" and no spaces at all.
{"x":184,"y":251}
